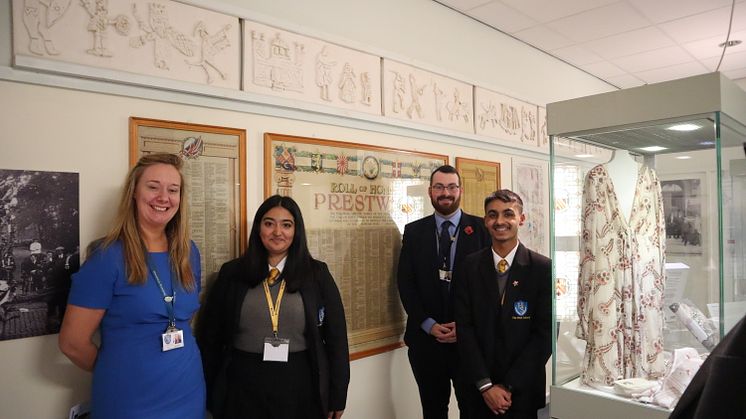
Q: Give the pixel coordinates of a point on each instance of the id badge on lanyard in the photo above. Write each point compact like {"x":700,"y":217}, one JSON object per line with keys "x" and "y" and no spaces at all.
{"x":275,"y":348}
{"x":173,"y":337}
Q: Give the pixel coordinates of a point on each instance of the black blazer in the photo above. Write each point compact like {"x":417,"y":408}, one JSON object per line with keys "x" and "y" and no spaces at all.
{"x":417,"y":277}
{"x":503,"y":343}
{"x":717,"y":390}
{"x":327,"y":342}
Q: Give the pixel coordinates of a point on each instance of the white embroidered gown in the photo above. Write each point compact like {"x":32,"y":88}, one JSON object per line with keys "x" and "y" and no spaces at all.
{"x":620,"y":302}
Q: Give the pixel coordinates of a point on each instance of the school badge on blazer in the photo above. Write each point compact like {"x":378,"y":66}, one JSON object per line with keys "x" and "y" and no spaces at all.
{"x":322,"y":313}
{"x":520,"y":308}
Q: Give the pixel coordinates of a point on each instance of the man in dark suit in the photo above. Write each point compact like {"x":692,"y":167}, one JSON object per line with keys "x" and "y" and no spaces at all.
{"x":504,"y":314}
{"x":431,"y":248}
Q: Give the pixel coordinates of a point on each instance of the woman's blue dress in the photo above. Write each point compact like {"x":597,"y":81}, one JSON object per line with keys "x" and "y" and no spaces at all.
{"x":133,"y":377}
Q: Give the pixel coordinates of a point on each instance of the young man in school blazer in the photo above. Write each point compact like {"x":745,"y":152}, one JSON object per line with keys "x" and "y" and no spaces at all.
{"x":503,"y":313}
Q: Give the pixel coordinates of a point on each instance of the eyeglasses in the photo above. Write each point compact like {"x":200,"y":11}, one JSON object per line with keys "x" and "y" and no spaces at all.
{"x":440,"y":187}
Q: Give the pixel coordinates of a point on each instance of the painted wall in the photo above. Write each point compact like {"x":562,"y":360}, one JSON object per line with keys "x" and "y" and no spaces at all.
{"x":81,"y":127}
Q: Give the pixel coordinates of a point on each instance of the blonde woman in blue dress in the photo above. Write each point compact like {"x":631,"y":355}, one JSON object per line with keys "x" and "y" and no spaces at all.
{"x":140,"y":287}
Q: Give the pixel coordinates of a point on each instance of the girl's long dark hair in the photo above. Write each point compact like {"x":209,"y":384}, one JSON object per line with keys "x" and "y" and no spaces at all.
{"x":299,"y":260}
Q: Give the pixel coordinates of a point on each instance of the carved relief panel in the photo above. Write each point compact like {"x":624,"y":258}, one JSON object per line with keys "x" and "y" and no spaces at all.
{"x":500,"y":116}
{"x":543,"y":140}
{"x":285,"y":64}
{"x":416,"y":95}
{"x":154,"y":38}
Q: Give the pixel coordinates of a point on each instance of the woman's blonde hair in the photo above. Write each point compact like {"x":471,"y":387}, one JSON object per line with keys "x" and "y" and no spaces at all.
{"x":126,"y":227}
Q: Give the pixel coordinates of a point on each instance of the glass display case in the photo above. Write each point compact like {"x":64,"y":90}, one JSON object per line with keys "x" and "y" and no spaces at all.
{"x":648,"y":241}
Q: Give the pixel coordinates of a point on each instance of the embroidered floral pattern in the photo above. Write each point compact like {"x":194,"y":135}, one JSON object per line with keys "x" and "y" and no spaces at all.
{"x":620,"y":306}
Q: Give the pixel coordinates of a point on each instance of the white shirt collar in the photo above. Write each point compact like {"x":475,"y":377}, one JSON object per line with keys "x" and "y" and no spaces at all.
{"x":280,"y":265}
{"x":509,"y":258}
{"x":454,"y":218}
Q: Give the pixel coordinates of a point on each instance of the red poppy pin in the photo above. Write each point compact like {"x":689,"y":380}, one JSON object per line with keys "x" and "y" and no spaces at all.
{"x":468,"y":230}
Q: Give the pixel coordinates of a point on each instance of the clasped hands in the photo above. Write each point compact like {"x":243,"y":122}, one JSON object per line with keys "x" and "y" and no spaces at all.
{"x":498,"y":399}
{"x":444,"y":333}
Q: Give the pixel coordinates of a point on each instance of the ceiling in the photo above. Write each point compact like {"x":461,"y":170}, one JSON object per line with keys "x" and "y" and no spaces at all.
{"x":626,"y":43}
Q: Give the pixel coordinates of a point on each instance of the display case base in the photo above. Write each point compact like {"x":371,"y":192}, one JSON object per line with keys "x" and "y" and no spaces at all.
{"x":571,"y":401}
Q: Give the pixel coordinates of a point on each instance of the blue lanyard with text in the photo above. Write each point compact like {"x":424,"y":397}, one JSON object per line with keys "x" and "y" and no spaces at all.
{"x":169,"y":300}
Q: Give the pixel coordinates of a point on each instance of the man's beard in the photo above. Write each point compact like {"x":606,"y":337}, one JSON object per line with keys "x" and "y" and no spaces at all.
{"x":446,"y":209}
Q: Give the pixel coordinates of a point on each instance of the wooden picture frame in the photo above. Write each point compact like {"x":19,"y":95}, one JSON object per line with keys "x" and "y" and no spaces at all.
{"x":479,"y":178}
{"x":356,"y":200}
{"x":215,"y":174}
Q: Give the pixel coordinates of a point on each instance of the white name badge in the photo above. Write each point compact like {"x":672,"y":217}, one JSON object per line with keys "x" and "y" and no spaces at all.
{"x":172,"y":339}
{"x":276,"y":349}
{"x":444,"y":275}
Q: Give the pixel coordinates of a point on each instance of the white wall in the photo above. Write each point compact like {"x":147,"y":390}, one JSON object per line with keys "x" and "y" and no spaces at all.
{"x":82,"y":127}
{"x":68,"y":130}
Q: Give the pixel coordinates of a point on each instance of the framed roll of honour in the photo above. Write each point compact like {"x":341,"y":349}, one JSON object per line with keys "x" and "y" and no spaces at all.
{"x":479,"y":178}
{"x":356,"y":200}
{"x":215,"y":175}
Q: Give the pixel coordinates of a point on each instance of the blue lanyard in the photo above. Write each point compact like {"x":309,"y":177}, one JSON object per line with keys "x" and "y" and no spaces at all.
{"x":169,"y":300}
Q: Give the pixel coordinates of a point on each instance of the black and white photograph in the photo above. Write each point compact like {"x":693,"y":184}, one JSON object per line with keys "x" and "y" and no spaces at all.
{"x":682,"y":205}
{"x":39,"y":250}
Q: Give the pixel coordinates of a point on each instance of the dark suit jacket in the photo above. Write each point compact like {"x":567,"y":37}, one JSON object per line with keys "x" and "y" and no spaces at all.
{"x":327,"y":342}
{"x":498,"y":342}
{"x":419,"y":286}
{"x":718,"y":390}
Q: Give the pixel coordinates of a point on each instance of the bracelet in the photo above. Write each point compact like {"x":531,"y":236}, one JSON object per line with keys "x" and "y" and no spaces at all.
{"x":486,"y":387}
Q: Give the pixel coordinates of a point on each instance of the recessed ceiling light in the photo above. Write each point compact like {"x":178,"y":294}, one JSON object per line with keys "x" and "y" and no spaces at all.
{"x":707,"y":143}
{"x":583,"y":156}
{"x":684,"y":157}
{"x":653,"y":148}
{"x":684,"y":127}
{"x":731,"y":43}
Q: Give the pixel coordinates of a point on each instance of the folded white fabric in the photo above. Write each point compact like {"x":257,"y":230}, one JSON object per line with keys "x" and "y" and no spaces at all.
{"x":629,"y":386}
{"x":685,"y":363}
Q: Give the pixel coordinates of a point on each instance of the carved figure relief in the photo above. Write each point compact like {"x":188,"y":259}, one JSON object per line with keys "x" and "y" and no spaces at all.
{"x":159,"y":31}
{"x":528,"y":126}
{"x":399,"y":90}
{"x":415,"y":93}
{"x":347,"y":84}
{"x":98,"y":25}
{"x":38,"y":17}
{"x":458,"y":109}
{"x":543,"y":136}
{"x":324,"y":73}
{"x":439,"y":95}
{"x":276,"y":65}
{"x":366,"y":96}
{"x":210,"y":45}
{"x":488,"y":116}
{"x":509,"y":120}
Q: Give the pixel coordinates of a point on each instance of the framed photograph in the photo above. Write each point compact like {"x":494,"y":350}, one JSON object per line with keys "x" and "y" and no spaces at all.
{"x":39,"y":250}
{"x":683,"y":199}
{"x":356,"y":200}
{"x":479,"y":178}
{"x":215,"y":172}
{"x":531,"y":183}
